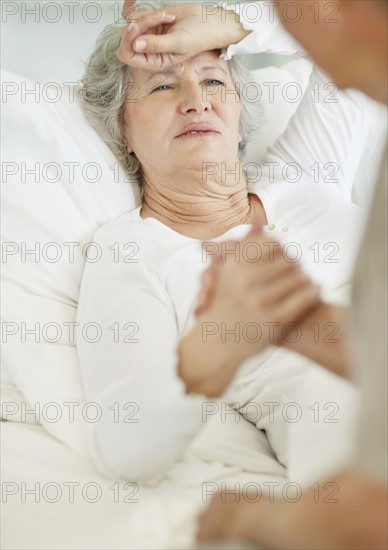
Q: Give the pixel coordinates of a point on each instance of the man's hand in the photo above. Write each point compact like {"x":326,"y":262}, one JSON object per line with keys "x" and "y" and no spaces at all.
{"x":230,"y":517}
{"x":356,"y":519}
{"x":159,"y":39}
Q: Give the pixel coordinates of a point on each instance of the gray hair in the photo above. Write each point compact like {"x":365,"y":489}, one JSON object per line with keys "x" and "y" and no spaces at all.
{"x":105,"y":87}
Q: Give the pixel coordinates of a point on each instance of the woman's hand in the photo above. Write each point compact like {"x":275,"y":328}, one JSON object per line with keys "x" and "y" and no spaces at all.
{"x":253,"y":294}
{"x":159,"y":39}
{"x":128,"y":8}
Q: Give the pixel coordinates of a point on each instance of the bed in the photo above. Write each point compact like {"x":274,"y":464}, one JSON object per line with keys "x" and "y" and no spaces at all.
{"x":60,"y":184}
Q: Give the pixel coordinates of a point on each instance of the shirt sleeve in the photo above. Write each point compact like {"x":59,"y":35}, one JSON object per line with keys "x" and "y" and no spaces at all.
{"x":127,"y":338}
{"x":268,"y":34}
{"x":325,"y":139}
{"x":324,"y":142}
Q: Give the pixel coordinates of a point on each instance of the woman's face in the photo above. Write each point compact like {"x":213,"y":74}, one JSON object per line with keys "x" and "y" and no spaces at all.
{"x":164,"y":105}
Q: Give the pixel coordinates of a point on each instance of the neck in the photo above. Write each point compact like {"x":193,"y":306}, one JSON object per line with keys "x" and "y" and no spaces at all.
{"x":202,"y":211}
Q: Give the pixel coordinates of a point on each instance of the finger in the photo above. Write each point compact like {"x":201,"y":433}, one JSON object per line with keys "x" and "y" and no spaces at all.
{"x":216,"y":259}
{"x":203,"y":300}
{"x":209,"y":526}
{"x":279,"y":288}
{"x":268,"y":272}
{"x":146,"y":20}
{"x":148,"y":62}
{"x":209,"y":278}
{"x":297,"y":304}
{"x":255,"y":232}
{"x":161,"y":43}
{"x":267,"y":247}
{"x":257,"y":226}
{"x":257,"y":252}
{"x":127,"y":55}
{"x":202,"y":304}
{"x":144,"y":24}
{"x":128,"y":8}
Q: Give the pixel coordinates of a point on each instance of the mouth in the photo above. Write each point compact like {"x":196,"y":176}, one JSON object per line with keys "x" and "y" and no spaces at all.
{"x":197,"y":135}
{"x":198,"y":131}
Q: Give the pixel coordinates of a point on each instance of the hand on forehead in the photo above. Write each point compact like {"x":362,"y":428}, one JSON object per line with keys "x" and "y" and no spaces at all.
{"x":206,"y":61}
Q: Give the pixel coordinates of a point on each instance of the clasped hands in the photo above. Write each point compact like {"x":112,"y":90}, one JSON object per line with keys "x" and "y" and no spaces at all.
{"x":261,"y":284}
{"x":239,"y":293}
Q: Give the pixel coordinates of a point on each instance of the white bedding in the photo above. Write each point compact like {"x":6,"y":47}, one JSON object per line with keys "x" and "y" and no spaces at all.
{"x":125,"y":516}
{"x":53,"y":498}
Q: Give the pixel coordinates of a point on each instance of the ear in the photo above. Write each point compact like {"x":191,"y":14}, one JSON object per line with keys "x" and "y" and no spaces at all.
{"x":128,"y":146}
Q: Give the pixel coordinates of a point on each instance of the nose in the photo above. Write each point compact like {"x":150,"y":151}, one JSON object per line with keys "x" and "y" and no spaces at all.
{"x":193,"y":99}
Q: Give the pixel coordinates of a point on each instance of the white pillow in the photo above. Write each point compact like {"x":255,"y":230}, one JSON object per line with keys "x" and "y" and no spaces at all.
{"x":274,"y":83}
{"x":292,"y":79}
{"x":77,"y":189}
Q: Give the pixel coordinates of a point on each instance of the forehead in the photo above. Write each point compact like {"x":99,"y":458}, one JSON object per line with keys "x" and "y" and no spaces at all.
{"x":203,"y":61}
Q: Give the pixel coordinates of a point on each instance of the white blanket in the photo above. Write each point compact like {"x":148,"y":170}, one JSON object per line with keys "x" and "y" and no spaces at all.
{"x":73,"y":506}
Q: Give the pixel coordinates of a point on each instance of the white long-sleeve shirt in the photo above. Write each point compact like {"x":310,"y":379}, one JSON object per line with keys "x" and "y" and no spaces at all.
{"x":142,"y":292}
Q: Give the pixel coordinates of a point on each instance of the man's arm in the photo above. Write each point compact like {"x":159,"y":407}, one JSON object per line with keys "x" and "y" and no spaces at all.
{"x":322,"y":338}
{"x":347,"y":512}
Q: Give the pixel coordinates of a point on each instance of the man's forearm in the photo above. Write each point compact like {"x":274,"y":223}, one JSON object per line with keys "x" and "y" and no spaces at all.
{"x":353,"y":517}
{"x":321,"y":337}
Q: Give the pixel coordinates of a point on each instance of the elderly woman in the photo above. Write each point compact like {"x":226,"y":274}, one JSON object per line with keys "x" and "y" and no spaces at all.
{"x":181,"y":134}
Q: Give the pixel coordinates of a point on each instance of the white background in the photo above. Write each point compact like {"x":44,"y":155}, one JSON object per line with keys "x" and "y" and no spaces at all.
{"x":48,"y":41}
